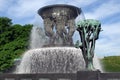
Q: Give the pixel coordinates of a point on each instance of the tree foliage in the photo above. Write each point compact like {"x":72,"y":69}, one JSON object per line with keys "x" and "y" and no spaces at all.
{"x":13,"y":41}
{"x":5,"y":23}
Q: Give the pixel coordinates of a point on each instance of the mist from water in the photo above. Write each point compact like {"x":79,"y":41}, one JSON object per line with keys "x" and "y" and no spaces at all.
{"x":37,"y":38}
{"x":81,"y":16}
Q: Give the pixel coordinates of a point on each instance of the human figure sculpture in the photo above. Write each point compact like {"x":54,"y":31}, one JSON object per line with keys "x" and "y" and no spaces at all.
{"x":59,"y":20}
{"x":59,"y":23}
{"x":71,"y":30}
{"x":49,"y":26}
{"x":89,"y":32}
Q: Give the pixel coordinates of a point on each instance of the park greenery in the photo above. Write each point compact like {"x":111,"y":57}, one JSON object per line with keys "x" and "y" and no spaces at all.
{"x":14,"y":40}
{"x":111,"y":64}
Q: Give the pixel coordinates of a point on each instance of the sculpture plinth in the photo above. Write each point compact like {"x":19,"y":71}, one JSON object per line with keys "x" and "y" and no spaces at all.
{"x":59,"y":23}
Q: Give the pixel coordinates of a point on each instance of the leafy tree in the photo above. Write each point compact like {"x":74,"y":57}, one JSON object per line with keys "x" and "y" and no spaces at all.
{"x":5,"y":23}
{"x":13,"y":42}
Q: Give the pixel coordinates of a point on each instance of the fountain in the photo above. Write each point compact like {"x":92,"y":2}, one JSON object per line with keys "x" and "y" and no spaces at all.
{"x":53,"y":55}
{"x":57,"y":54}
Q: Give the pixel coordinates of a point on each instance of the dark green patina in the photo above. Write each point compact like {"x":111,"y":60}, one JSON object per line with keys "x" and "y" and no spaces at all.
{"x":89,"y":30}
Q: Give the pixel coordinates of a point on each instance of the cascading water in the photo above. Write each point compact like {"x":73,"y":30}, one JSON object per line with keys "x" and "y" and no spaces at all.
{"x":38,"y":38}
{"x":52,"y":60}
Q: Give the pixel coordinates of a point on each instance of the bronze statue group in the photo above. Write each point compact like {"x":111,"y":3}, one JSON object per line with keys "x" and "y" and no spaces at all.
{"x":59,"y":26}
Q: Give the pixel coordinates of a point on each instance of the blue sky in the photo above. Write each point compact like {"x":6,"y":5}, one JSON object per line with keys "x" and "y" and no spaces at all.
{"x":107,"y":11}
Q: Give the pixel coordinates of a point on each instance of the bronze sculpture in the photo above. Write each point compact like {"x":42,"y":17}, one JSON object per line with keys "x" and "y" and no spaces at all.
{"x":62,"y":19}
{"x":89,"y":30}
{"x":59,"y":26}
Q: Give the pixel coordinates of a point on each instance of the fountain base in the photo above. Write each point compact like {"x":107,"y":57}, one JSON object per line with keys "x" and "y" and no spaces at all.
{"x":80,"y":75}
{"x":52,"y":60}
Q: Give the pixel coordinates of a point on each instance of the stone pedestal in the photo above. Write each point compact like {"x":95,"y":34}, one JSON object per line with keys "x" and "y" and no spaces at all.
{"x":88,"y":75}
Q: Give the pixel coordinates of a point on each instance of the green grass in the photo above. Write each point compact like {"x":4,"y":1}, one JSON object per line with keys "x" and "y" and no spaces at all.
{"x":111,"y":64}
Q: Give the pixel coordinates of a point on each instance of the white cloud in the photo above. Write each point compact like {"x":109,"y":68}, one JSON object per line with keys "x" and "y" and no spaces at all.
{"x":26,"y":8}
{"x":80,"y":3}
{"x":109,"y":43}
{"x":112,"y":29}
{"x":4,"y":4}
{"x":104,"y":10}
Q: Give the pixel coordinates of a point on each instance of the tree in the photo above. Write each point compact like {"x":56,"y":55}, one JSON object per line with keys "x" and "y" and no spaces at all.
{"x":13,"y":42}
{"x":5,"y":23}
